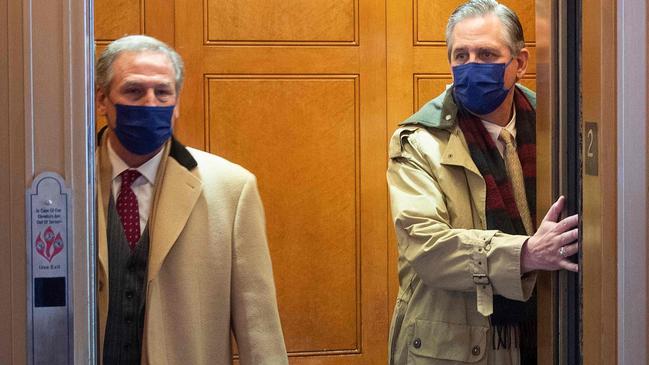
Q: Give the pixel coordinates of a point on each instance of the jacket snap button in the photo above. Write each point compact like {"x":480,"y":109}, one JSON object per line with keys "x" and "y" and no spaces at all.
{"x":417,"y":343}
{"x":475,"y":350}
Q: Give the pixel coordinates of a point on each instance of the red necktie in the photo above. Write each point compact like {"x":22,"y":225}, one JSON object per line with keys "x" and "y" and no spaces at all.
{"x":127,"y":208}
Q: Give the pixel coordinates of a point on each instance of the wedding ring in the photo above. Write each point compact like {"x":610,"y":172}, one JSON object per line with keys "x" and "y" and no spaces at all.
{"x":562,"y":251}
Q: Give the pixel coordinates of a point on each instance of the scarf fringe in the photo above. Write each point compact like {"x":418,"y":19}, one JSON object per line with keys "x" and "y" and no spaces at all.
{"x":520,"y":335}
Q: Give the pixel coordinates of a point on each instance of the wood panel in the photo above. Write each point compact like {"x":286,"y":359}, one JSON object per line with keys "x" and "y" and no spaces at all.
{"x":431,"y":17}
{"x":427,"y":87}
{"x":310,"y":123}
{"x":281,"y":22}
{"x":300,"y":137}
{"x":599,"y":217}
{"x":115,"y":18}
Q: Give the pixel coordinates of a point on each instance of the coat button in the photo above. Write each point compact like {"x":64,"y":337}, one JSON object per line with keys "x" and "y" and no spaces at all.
{"x":475,"y":350}
{"x":448,"y":117}
{"x":416,"y":343}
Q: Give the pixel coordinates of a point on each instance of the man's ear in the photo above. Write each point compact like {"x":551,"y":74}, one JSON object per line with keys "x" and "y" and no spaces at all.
{"x":177,"y":109}
{"x":522,"y":60}
{"x":100,"y":101}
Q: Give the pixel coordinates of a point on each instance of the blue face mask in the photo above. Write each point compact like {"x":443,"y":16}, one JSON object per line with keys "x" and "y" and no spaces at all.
{"x":142,"y":129}
{"x":479,"y":87}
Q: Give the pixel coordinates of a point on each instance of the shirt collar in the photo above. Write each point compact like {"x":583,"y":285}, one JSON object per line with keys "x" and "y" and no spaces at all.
{"x":494,"y":129}
{"x":148,"y":169}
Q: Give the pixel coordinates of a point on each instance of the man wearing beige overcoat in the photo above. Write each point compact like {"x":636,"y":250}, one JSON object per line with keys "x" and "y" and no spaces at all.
{"x":462,"y":180}
{"x":183,"y":261}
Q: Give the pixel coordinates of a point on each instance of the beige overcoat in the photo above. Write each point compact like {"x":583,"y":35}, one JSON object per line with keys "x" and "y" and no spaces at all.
{"x":209,"y":268}
{"x":450,"y":266}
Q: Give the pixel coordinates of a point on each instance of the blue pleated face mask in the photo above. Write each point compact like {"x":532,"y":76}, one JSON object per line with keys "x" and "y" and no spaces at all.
{"x":142,"y":129}
{"x":480,"y":87}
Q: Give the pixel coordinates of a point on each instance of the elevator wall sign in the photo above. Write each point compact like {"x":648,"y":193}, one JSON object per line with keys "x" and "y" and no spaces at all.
{"x":49,"y":257}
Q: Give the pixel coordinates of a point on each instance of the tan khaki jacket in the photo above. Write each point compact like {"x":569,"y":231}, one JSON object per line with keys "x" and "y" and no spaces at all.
{"x":209,"y":269}
{"x":450,"y":266}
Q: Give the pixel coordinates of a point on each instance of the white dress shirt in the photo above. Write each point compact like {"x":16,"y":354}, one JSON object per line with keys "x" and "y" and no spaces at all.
{"x":494,"y":131}
{"x":143,"y":186}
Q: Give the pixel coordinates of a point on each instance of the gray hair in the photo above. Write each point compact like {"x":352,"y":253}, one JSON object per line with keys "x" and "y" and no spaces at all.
{"x":478,"y":8}
{"x":134,"y":43}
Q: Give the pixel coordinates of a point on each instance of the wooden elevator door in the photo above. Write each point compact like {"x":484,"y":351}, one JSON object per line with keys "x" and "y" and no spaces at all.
{"x":305,"y":94}
{"x":295,"y":92}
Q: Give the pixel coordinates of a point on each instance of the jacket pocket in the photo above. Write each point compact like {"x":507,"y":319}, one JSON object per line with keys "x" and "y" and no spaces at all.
{"x":446,"y":343}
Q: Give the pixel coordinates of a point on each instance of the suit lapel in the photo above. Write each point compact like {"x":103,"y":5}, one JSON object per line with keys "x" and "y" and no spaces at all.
{"x":176,"y":194}
{"x":103,"y":176}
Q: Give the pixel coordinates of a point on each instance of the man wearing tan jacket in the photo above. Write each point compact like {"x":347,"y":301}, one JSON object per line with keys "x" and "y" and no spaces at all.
{"x":462,"y":180}
{"x":183,"y":261}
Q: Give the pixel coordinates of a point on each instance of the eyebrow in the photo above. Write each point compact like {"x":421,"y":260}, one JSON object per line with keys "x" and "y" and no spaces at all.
{"x":139,"y":84}
{"x":477,"y":49}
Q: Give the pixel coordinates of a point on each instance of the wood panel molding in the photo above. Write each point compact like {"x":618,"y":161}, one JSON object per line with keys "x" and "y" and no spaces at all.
{"x":281,"y":22}
{"x":428,"y":86}
{"x":427,"y":12}
{"x":111,"y":24}
{"x":115,"y":19}
{"x":271,"y":124}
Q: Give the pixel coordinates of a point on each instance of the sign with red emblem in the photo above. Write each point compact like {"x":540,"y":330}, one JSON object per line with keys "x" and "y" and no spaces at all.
{"x":49,"y":245}
{"x":49,"y":258}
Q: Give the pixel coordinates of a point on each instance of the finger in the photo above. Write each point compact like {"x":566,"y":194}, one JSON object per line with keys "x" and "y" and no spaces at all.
{"x":571,"y":249}
{"x":570,"y":266}
{"x":555,"y":210}
{"x":568,"y":223}
{"x":569,"y":237}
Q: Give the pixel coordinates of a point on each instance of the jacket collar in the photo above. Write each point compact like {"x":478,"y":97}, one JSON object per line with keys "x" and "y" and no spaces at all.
{"x":441,"y":112}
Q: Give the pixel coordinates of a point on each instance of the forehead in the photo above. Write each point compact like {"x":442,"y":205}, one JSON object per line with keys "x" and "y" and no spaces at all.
{"x":479,"y":31}
{"x":142,"y":66}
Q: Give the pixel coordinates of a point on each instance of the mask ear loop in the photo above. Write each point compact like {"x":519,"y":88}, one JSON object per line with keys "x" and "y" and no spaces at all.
{"x":515,"y":82}
{"x":505,"y":70}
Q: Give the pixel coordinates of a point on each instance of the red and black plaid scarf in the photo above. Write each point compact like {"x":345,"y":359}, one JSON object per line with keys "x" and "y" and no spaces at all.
{"x":502,"y":213}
